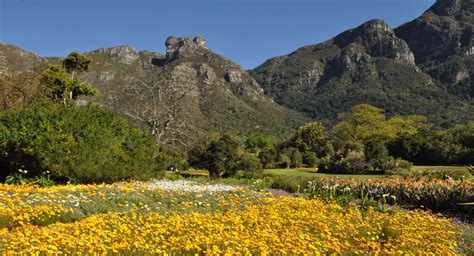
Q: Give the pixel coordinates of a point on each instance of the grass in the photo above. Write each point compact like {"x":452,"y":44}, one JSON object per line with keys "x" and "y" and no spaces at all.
{"x":438,"y":167}
{"x":311,"y":173}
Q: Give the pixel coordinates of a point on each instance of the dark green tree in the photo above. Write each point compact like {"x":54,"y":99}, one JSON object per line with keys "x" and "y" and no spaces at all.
{"x":218,"y":157}
{"x":87,"y":144}
{"x":61,"y":82}
{"x":267,"y":157}
{"x":310,"y":159}
{"x":296,"y":158}
{"x":76,"y":62}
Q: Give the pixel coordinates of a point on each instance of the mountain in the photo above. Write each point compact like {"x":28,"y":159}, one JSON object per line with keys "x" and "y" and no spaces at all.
{"x":442,"y":40}
{"x":368,"y":64}
{"x":12,"y":57}
{"x":218,"y":95}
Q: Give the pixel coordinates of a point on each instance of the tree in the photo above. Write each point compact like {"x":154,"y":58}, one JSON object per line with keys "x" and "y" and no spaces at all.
{"x":312,"y":137}
{"x":61,"y":81}
{"x":249,"y":164}
{"x":161,"y":104}
{"x":366,"y":123}
{"x":218,"y":157}
{"x":257,"y":142}
{"x":267,"y":156}
{"x":61,"y":86}
{"x":296,"y":158}
{"x":362,"y":124}
{"x":76,"y":62}
{"x":407,"y":146}
{"x":310,"y":159}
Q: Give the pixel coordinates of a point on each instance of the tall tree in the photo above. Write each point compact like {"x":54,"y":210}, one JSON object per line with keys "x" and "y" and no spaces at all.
{"x":312,"y":137}
{"x":62,"y":86}
{"x":76,"y":62}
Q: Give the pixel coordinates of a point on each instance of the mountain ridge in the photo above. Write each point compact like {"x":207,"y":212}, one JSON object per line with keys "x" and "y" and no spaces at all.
{"x":368,"y":64}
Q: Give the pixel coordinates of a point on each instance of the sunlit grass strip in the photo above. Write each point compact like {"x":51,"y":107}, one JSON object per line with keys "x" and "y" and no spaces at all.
{"x":285,"y":225}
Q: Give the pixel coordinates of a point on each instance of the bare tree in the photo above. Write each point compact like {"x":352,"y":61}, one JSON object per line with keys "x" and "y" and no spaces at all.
{"x":161,"y":103}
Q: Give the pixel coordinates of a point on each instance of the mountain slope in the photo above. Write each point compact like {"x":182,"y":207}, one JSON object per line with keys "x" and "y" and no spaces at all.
{"x":368,"y":64}
{"x":220,"y":95}
{"x":442,"y":40}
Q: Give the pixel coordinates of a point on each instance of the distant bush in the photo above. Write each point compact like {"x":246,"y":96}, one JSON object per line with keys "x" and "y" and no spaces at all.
{"x":351,"y":162}
{"x":84,"y":144}
{"x":250,"y":165}
{"x":394,"y":166}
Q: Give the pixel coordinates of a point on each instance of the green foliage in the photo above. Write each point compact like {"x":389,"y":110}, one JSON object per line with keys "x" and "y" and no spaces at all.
{"x":283,"y":160}
{"x":250,"y":164}
{"x":87,"y":144}
{"x":19,"y":178}
{"x":394,"y":166}
{"x":61,"y":87}
{"x":437,"y":173}
{"x":312,"y":137}
{"x":407,"y":146}
{"x":363,"y":134}
{"x":258,"y":141}
{"x":296,"y":160}
{"x":352,"y":161}
{"x":218,"y":157}
{"x":267,"y":157}
{"x":76,"y":62}
{"x":451,"y":146}
{"x":310,"y":159}
{"x":16,"y":179}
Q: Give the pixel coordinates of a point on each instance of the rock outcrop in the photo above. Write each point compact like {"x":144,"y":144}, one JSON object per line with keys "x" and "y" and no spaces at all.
{"x":221,"y":95}
{"x":183,"y":47}
{"x":442,"y":40}
{"x":122,"y":54}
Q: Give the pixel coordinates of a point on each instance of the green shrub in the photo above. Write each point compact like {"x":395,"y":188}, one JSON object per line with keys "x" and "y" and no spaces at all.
{"x":310,"y":159}
{"x":394,"y":166}
{"x":86,"y":144}
{"x":352,"y":162}
{"x":250,"y":165}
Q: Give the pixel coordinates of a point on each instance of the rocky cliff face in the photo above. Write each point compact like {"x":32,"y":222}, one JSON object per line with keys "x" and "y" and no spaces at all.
{"x":367,"y":64}
{"x":442,"y":40}
{"x":222,"y":96}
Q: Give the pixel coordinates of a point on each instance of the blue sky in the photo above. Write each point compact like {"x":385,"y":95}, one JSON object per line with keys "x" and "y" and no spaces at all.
{"x":245,"y":31}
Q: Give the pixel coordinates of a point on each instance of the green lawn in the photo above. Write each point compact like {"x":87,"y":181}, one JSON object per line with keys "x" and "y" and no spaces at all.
{"x":304,"y":173}
{"x":454,"y":168}
{"x":309,"y":173}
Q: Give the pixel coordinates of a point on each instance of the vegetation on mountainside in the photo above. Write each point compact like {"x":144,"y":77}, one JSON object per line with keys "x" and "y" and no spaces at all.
{"x":42,"y":133}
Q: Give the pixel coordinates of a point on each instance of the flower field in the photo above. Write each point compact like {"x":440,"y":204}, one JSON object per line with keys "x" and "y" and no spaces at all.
{"x":163,"y":217}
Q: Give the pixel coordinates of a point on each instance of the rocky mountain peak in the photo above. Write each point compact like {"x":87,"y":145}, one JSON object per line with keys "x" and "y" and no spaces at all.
{"x":122,"y":53}
{"x":377,"y":40}
{"x":376,"y":26}
{"x":447,"y":7}
{"x":182,"y":47}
